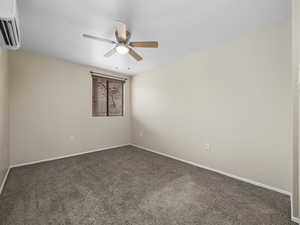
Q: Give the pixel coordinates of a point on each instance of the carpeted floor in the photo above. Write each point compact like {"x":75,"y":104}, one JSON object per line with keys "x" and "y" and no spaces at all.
{"x":129,"y":186}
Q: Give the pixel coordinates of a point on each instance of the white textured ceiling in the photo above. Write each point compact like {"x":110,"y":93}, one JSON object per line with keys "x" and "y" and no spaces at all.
{"x":54,"y":27}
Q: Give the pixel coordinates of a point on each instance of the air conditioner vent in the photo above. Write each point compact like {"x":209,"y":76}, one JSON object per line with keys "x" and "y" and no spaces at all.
{"x":10,"y":34}
{"x":9,"y":26}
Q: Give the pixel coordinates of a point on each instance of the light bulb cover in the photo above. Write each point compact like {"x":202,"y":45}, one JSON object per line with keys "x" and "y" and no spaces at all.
{"x":122,"y":49}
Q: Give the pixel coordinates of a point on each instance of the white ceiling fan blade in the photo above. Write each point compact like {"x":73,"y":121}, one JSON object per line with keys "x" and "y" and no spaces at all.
{"x":98,"y":38}
{"x":121,"y":28}
{"x":111,"y":52}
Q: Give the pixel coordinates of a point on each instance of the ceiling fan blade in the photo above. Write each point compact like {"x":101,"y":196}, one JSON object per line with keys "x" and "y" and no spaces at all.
{"x":144,"y":44}
{"x":110,"y":53}
{"x":135,"y":55}
{"x":98,"y":38}
{"x":121,"y":29}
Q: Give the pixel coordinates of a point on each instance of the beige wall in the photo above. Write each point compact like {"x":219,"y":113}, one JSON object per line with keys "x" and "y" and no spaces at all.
{"x":50,"y":110}
{"x":235,"y":96}
{"x":4,"y":133}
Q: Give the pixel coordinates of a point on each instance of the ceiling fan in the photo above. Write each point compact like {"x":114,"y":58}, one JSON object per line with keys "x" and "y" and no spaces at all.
{"x":123,"y":45}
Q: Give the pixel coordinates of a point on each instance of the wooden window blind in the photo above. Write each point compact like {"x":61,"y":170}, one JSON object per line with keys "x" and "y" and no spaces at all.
{"x":108,"y":96}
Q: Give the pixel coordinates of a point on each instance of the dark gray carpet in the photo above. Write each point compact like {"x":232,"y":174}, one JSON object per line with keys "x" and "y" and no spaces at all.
{"x":129,"y":186}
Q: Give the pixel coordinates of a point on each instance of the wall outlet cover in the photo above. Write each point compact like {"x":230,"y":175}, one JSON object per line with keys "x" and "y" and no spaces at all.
{"x":207,"y":147}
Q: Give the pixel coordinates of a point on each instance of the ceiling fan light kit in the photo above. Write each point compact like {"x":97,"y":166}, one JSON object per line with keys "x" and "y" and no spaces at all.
{"x":122,"y":49}
{"x":122,"y":43}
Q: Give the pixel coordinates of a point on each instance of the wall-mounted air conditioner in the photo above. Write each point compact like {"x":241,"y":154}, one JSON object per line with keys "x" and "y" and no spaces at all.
{"x":10,"y":36}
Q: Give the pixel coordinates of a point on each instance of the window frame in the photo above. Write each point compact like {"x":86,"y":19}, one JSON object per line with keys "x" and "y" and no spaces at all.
{"x":108,"y":80}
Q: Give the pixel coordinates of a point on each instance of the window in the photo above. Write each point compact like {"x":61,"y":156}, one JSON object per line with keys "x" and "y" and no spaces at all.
{"x":107,"y":96}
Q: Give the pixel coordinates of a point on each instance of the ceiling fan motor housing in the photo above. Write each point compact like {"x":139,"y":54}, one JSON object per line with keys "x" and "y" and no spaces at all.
{"x":128,"y":35}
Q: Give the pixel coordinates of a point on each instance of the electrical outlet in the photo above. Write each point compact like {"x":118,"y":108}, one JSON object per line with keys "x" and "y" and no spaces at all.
{"x":207,"y":147}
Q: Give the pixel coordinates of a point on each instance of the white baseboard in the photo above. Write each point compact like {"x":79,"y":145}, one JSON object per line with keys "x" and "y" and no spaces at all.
{"x":295,"y":219}
{"x":67,"y":156}
{"x":55,"y":158}
{"x":218,"y":171}
{"x":4,"y":180}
